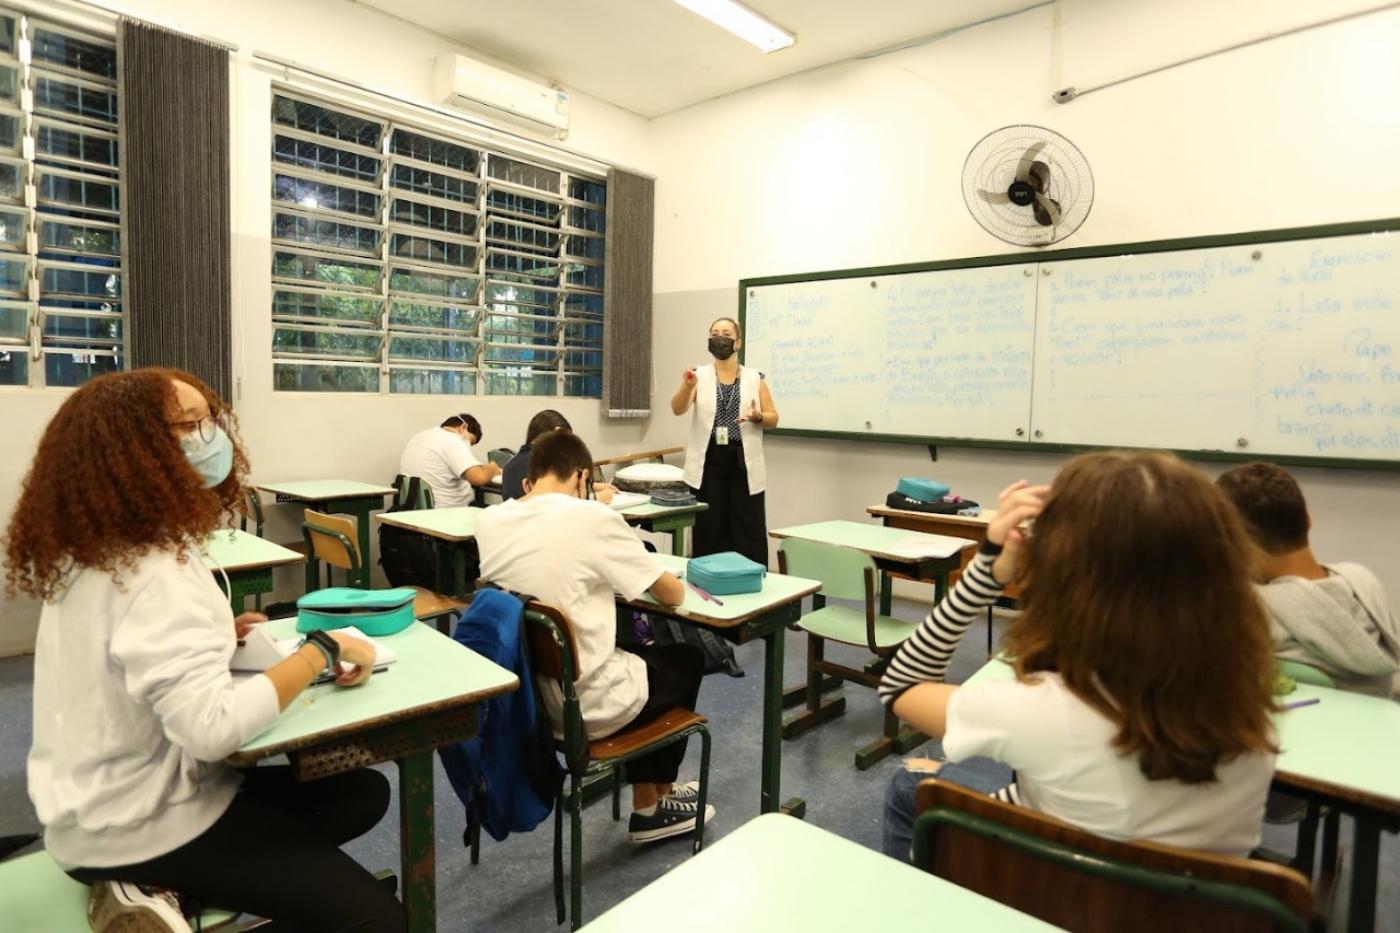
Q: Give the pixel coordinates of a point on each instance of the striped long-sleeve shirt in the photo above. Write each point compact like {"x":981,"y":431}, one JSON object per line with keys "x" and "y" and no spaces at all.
{"x":924,"y":655}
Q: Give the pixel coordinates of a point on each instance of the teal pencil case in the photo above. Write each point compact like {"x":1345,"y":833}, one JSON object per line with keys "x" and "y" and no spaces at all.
{"x":925,"y":490}
{"x":725,"y":574}
{"x":374,"y":612}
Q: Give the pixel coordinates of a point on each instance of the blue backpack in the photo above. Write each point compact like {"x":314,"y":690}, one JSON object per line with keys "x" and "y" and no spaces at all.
{"x":507,"y":775}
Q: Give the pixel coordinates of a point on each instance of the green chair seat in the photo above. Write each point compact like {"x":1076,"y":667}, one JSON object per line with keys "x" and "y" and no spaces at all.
{"x":35,"y":894}
{"x":1304,"y":673}
{"x":847,"y":625}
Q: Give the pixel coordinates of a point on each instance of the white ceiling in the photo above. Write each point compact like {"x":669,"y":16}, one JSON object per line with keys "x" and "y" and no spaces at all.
{"x":655,"y":56}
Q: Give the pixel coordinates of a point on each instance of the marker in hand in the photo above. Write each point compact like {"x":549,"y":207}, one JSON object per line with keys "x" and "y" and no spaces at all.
{"x":755,"y":413}
{"x":688,"y":377}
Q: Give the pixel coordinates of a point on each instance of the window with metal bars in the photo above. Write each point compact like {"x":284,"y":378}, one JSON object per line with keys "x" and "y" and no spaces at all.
{"x":61,"y":315}
{"x":405,"y":262}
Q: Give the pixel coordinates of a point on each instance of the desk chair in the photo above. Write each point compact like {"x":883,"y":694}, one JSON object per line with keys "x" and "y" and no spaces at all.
{"x":331,"y":538}
{"x":845,"y":573}
{"x":411,"y":493}
{"x":255,"y":510}
{"x":553,"y":653}
{"x":500,"y":456}
{"x":1071,"y":878}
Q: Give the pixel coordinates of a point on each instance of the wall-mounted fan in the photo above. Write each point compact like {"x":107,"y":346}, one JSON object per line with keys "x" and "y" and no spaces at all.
{"x":1027,"y":185}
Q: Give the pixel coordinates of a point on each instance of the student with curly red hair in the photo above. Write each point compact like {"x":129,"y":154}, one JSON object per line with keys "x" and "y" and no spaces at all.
{"x":135,"y":709}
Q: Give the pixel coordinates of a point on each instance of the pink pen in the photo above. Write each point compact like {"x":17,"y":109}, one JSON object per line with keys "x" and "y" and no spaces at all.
{"x":705,"y":595}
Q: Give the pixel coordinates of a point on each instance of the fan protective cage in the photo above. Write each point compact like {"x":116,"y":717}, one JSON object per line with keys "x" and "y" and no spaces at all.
{"x":992,"y":166}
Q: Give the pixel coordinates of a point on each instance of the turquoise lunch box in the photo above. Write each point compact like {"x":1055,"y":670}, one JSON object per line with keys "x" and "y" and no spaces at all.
{"x":374,"y":612}
{"x":725,"y":574}
{"x":925,"y":490}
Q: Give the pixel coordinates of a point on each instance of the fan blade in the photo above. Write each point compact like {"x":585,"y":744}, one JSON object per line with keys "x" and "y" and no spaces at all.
{"x":1039,"y":177}
{"x":994,"y":197}
{"x":1047,"y":211}
{"x":1023,"y":171}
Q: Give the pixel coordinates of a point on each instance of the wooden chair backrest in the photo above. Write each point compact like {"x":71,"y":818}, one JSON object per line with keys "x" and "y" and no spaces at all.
{"x":330,"y":549}
{"x":546,"y":657}
{"x":1063,"y":875}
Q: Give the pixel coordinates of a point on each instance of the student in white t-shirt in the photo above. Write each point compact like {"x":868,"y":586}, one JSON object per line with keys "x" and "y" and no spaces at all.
{"x":443,"y":458}
{"x":1142,"y":696}
{"x":574,"y":554}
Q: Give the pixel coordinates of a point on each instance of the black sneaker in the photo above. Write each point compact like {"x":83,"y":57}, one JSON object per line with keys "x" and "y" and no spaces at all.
{"x":689,"y":792}
{"x":672,"y":818}
{"x":132,"y":908}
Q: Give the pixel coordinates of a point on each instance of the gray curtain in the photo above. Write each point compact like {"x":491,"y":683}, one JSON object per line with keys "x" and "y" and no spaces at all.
{"x":627,"y":295}
{"x":175,"y":210}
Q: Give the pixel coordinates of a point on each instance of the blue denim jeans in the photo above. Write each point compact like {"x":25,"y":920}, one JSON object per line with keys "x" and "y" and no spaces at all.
{"x":979,"y":774}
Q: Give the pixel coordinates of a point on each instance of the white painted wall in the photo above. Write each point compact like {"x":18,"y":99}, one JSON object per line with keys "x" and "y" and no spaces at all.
{"x":309,"y":435}
{"x":859,"y":164}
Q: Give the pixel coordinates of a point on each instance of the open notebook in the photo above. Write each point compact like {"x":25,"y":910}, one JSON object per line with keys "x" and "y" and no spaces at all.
{"x":258,"y":650}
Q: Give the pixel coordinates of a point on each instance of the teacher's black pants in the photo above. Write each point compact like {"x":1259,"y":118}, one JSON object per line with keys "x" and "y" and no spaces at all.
{"x":275,"y":853}
{"x":735,"y":520}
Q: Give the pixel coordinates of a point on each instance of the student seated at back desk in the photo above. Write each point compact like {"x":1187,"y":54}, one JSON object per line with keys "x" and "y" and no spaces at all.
{"x":574,"y":554}
{"x":1142,"y":698}
{"x":443,"y":458}
{"x":1331,"y":616}
{"x":513,"y":475}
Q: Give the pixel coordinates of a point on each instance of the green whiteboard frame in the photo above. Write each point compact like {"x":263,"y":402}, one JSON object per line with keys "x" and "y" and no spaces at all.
{"x":1322,"y":231}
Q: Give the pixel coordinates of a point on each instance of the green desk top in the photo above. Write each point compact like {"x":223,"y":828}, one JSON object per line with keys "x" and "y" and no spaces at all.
{"x":236,"y":550}
{"x":778,"y":589}
{"x":432,"y":673}
{"x":1346,"y":746}
{"x":319,"y":490}
{"x":648,"y":510}
{"x":780,"y":873}
{"x":875,"y":540}
{"x":458,"y":524}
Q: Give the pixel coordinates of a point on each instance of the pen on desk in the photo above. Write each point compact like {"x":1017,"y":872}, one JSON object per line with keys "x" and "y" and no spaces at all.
{"x":330,"y":678}
{"x":1298,"y":703}
{"x":704,"y":595}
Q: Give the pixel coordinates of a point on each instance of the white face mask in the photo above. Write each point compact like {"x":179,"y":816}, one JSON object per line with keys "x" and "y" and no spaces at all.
{"x":211,"y":459}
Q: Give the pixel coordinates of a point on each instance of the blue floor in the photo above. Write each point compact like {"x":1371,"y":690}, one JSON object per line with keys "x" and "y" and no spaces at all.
{"x":511,"y":888}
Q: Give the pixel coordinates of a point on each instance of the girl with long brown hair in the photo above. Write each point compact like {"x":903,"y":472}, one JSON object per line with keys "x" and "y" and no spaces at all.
{"x":1141,"y":702}
{"x":135,"y":709}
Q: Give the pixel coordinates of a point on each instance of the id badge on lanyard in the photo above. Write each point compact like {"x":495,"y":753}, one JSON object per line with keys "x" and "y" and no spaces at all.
{"x":722,"y":436}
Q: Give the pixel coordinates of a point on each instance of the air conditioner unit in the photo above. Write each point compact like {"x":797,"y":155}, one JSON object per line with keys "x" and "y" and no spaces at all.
{"x":468,"y":84}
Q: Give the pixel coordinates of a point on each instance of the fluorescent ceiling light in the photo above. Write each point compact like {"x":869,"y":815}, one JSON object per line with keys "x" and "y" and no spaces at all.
{"x":743,"y":22}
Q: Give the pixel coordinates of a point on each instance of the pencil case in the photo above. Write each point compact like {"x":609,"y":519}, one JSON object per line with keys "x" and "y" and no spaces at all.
{"x":374,"y":612}
{"x":924,"y":490}
{"x":726,"y":573}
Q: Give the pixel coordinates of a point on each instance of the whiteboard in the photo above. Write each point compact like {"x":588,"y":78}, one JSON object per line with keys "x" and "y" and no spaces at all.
{"x":1285,"y":348}
{"x":942,"y":353}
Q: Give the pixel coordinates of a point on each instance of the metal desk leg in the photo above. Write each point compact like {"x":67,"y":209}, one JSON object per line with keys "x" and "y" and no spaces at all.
{"x":770,"y":785}
{"x":418,"y":862}
{"x":678,"y":541}
{"x":1366,"y":850}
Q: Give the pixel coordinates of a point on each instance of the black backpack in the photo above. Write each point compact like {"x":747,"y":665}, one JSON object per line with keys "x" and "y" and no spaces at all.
{"x":407,"y":557}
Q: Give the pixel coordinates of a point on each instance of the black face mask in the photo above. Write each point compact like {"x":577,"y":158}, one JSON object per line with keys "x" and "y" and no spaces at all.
{"x":721,"y":348}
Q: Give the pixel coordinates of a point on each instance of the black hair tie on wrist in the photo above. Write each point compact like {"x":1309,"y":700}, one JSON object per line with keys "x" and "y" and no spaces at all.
{"x":990,"y":548}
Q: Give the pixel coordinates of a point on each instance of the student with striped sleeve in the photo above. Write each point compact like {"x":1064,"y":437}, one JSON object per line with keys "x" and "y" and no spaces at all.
{"x":1140,"y":706}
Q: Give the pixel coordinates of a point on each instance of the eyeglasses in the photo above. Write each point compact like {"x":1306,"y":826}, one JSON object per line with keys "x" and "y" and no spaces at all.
{"x":204,"y":426}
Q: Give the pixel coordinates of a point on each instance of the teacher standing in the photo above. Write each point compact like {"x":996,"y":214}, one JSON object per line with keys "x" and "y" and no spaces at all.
{"x":730,"y":406}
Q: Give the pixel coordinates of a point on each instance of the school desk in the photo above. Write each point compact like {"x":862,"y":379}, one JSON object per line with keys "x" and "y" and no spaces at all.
{"x":452,"y":531}
{"x":741,"y":619}
{"x":426,"y":699}
{"x":338,"y":496}
{"x":1343,"y":752}
{"x":958,"y":526}
{"x":247,"y":560}
{"x":665,"y":519}
{"x":775,"y":873}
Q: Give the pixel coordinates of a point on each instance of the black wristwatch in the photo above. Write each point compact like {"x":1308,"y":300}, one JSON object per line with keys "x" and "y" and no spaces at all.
{"x":328,"y":647}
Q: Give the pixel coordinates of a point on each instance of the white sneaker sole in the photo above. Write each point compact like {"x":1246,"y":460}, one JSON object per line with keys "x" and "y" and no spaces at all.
{"x":110,"y":913}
